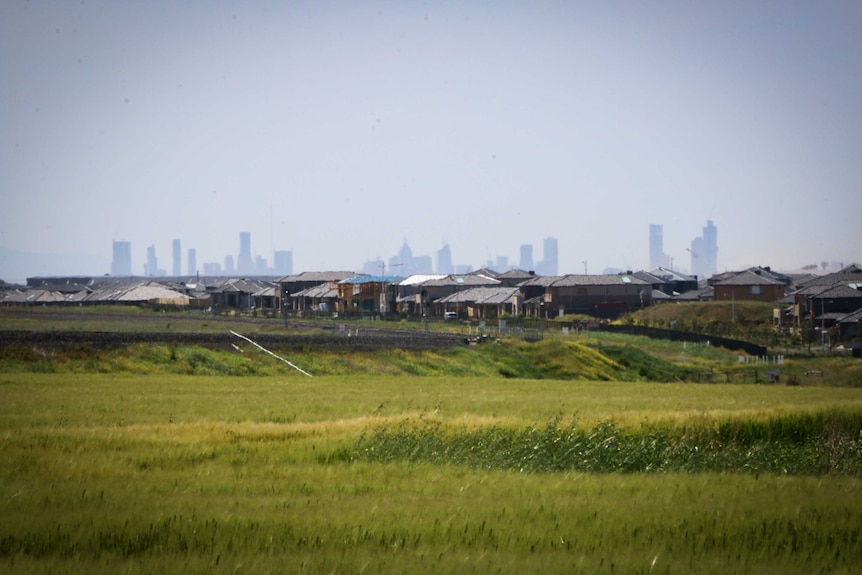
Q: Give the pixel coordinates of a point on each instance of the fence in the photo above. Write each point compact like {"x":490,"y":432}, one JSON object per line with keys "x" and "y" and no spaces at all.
{"x":674,"y":335}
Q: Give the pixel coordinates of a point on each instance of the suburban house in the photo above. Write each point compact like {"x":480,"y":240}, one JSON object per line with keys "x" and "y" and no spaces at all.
{"x":669,"y":282}
{"x":755,"y":284}
{"x":414,"y":292}
{"x":236,"y":292}
{"x":605,"y":295}
{"x":411,"y":297}
{"x":481,"y":302}
{"x":366,"y":294}
{"x":294,"y":284}
{"x":829,"y":297}
{"x":321,"y":298}
{"x":515,"y":277}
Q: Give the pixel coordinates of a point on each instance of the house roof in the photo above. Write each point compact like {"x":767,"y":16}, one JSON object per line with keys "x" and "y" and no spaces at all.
{"x":269,"y":291}
{"x":515,"y":274}
{"x":658,"y":295}
{"x":840,"y":291}
{"x":320,"y":291}
{"x":34,"y":296}
{"x":484,"y":272}
{"x":462,"y":281}
{"x":749,"y":278}
{"x":151,"y":291}
{"x":359,"y":280}
{"x":419,"y":279}
{"x":240,"y":285}
{"x":540,"y":281}
{"x":848,"y":274}
{"x":671,"y":275}
{"x":482,"y":295}
{"x":851,"y":317}
{"x":332,"y":276}
{"x":598,"y":280}
{"x":703,"y":294}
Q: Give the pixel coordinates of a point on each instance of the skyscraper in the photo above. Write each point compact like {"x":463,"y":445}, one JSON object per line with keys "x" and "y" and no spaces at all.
{"x":527,"y":258}
{"x":177,"y":253}
{"x":283,"y":263}
{"x":548,"y":266}
{"x":444,"y":260}
{"x":704,"y":252}
{"x":244,"y":263}
{"x":192,"y":261}
{"x":121,"y":264}
{"x":657,"y":257}
{"x":151,"y":268}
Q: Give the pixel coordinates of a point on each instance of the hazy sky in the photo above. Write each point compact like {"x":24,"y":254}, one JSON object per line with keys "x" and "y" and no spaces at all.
{"x":339,"y":129}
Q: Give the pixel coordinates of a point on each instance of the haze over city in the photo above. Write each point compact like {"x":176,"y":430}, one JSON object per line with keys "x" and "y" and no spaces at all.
{"x":339,"y":130}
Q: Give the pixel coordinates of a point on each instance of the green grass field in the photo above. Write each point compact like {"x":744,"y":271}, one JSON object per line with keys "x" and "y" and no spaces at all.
{"x":107,"y":473}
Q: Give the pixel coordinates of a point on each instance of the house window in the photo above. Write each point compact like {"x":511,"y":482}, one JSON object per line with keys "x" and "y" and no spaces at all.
{"x":756,"y":290}
{"x":582,"y":291}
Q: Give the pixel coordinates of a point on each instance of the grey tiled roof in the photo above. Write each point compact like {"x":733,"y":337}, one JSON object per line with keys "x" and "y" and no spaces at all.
{"x":463,"y":280}
{"x":598,"y":280}
{"x":332,"y":276}
{"x":749,"y":278}
{"x":482,"y":295}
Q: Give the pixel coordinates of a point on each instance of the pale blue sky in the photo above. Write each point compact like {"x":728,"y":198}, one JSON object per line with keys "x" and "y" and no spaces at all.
{"x":338,"y":129}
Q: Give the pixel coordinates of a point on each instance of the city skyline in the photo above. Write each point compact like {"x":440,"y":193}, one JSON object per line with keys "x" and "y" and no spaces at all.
{"x":442,"y":262}
{"x":337,"y":129}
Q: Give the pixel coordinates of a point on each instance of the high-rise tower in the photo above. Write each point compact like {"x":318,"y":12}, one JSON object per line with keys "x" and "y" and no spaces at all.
{"x":244,"y":263}
{"x":444,"y":260}
{"x":177,"y":253}
{"x":657,"y":257}
{"x":704,"y":252}
{"x":192,"y":259}
{"x":121,"y":264}
{"x":526,"y":262}
{"x":548,"y":265}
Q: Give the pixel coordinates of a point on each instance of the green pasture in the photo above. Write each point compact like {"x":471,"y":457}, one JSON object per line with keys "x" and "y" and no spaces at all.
{"x":107,"y":473}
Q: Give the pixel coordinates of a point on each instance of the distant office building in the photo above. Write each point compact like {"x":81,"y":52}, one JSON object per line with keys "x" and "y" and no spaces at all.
{"x":422,"y":265}
{"x":192,"y":258}
{"x":212,"y":269}
{"x":228,"y":265}
{"x":444,"y":261}
{"x":177,"y":253}
{"x":527,"y":258}
{"x":549,"y":252}
{"x":244,"y":263}
{"x":549,"y":264}
{"x":283,"y":264}
{"x":404,"y":264}
{"x":121,"y":264}
{"x":260,"y":266}
{"x":151,"y":268}
{"x":502,"y":264}
{"x":657,"y":257}
{"x":704,"y":252}
{"x":373,"y":267}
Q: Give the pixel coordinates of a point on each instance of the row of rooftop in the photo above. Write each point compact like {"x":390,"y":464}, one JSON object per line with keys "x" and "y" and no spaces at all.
{"x":830,"y":299}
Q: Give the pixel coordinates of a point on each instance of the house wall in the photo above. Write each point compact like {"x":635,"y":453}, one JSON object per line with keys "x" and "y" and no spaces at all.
{"x":571,"y":298}
{"x":768,"y":293}
{"x":359,"y":297}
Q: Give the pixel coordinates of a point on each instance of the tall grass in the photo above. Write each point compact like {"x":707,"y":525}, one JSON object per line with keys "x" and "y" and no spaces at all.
{"x":820,"y":443}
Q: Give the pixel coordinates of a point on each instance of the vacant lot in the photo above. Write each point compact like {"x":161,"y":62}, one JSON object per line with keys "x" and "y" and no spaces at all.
{"x":166,"y":473}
